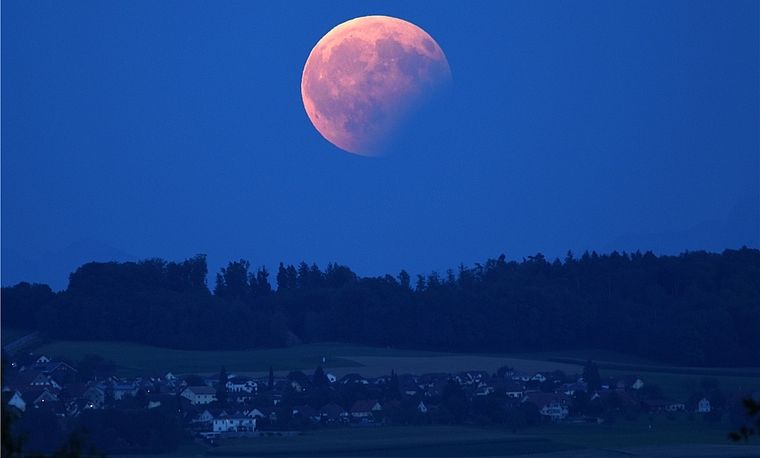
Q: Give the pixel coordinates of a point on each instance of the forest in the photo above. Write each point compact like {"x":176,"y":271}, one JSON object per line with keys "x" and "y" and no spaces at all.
{"x":694,"y":309}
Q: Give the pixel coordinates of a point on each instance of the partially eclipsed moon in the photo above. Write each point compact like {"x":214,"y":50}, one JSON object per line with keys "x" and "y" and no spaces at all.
{"x":365,"y":76}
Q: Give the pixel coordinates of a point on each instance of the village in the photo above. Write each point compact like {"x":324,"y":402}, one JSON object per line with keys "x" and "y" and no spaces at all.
{"x":235,"y":405}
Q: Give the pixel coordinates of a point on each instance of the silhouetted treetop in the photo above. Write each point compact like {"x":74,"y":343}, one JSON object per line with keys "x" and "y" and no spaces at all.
{"x":695,"y":309}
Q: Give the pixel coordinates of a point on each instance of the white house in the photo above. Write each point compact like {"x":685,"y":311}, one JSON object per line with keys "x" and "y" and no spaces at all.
{"x":422,"y":407}
{"x":551,"y":405}
{"x":199,"y":394}
{"x":704,"y":405}
{"x":240,"y":384}
{"x":234,"y":423}
{"x":554,"y":410}
{"x":17,"y":401}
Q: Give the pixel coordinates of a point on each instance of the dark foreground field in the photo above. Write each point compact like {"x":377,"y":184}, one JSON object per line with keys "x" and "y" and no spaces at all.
{"x":392,"y":441}
{"x":572,"y":441}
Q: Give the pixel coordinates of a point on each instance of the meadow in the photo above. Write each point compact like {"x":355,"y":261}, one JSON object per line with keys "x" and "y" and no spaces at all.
{"x":340,"y":359}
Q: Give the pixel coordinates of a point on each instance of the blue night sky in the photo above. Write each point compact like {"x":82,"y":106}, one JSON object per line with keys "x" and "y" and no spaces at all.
{"x":141,"y":129}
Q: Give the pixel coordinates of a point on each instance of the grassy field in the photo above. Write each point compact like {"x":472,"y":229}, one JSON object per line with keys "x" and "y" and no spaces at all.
{"x":133,"y":359}
{"x":8,"y":335}
{"x":339,"y":359}
{"x":655,"y":430}
{"x":580,"y":356}
{"x":676,"y":386}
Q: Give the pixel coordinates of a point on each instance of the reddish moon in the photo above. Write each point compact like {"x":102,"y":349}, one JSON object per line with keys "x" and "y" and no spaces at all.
{"x":365,"y":77}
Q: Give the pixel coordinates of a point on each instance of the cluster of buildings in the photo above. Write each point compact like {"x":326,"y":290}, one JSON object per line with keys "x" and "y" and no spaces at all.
{"x":248,"y":402}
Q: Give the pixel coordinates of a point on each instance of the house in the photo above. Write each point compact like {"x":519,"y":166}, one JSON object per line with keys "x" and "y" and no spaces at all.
{"x":297,"y":387}
{"x":262,"y":412}
{"x":88,"y":394}
{"x":171,"y":386}
{"x":353,"y":379}
{"x":253,"y":413}
{"x":363,"y":409}
{"x":519,"y":376}
{"x":155,"y":400}
{"x":30,"y":361}
{"x":615,"y":398}
{"x":38,"y":397}
{"x":95,"y":395}
{"x":703,"y":406}
{"x":410,"y":388}
{"x":422,"y":407}
{"x":332,"y":412}
{"x":654,"y":405}
{"x":199,"y":394}
{"x":122,"y":389}
{"x":233,"y":423}
{"x":205,"y":418}
{"x":623,"y":383}
{"x":239,"y":384}
{"x":634,"y":382}
{"x":483,"y":391}
{"x":514,"y":390}
{"x":430,"y":378}
{"x":555,"y":410}
{"x":56,"y":407}
{"x":59,"y":371}
{"x":570,"y":388}
{"x":551,"y":406}
{"x":32,"y":378}
{"x":675,"y":407}
{"x":78,"y":406}
{"x":306,"y":412}
{"x":14,"y":399}
{"x":435,"y":388}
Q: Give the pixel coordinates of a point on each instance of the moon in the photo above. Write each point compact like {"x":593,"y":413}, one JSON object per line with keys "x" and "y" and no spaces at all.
{"x":366,"y":76}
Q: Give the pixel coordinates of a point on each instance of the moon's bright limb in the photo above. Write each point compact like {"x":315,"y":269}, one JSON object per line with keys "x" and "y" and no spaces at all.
{"x":365,"y":75}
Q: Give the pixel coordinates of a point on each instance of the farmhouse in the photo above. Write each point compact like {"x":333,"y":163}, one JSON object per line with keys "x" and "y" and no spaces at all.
{"x":552,"y":406}
{"x":199,"y":394}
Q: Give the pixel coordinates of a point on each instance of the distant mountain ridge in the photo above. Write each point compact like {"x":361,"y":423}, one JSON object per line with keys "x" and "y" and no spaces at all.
{"x":53,"y":268}
{"x":741,"y":227}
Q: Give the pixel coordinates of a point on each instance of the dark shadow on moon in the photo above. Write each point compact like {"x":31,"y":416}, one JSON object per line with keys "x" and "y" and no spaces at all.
{"x":427,"y":128}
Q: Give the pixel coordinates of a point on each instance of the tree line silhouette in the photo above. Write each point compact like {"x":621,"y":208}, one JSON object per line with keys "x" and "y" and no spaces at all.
{"x":694,"y":309}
